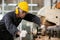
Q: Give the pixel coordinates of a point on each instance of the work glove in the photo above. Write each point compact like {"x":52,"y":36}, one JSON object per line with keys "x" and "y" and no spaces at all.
{"x":43,"y":29}
{"x":23,"y":33}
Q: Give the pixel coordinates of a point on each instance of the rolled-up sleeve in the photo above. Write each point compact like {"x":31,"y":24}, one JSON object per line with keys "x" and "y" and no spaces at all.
{"x":10,"y":26}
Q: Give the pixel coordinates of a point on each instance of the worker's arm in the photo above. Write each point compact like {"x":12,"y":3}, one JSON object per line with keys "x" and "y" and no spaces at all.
{"x":32,"y":18}
{"x":9,"y":25}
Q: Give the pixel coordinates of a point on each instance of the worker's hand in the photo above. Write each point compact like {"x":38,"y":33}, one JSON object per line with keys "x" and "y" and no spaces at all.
{"x":43,"y":29}
{"x":23,"y":33}
{"x":18,"y":33}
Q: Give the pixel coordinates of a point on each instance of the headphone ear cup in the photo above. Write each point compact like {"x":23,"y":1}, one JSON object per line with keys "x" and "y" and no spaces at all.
{"x":16,"y":11}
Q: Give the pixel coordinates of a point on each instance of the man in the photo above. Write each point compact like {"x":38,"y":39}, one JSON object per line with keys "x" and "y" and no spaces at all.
{"x":10,"y":21}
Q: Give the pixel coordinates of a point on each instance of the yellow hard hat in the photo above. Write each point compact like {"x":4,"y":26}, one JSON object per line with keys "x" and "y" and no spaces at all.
{"x":23,"y":6}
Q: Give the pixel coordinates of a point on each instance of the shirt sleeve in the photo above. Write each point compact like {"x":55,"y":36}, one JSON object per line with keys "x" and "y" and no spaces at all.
{"x":32,"y":18}
{"x":10,"y":26}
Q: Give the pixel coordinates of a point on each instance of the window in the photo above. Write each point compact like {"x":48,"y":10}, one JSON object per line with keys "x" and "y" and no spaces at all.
{"x":0,"y":6}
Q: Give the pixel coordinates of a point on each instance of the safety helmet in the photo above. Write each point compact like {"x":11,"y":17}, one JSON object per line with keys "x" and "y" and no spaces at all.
{"x":52,"y":15}
{"x":23,"y":6}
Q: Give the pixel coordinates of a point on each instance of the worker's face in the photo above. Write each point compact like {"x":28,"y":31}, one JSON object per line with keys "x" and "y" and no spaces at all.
{"x":21,"y":13}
